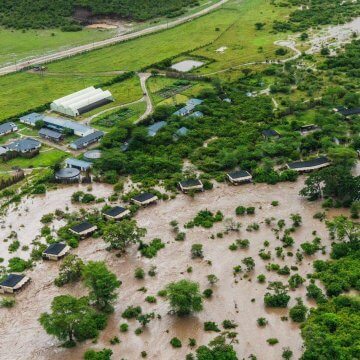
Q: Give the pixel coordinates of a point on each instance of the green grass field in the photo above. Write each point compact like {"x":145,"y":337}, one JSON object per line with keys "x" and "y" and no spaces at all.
{"x":228,"y":26}
{"x":47,"y":157}
{"x":243,"y":42}
{"x":18,"y":45}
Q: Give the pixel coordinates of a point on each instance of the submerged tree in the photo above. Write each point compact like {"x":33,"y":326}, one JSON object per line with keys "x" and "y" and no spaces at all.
{"x":70,"y":270}
{"x":121,"y":234}
{"x":102,"y":284}
{"x":184,"y":297}
{"x":72,"y":319}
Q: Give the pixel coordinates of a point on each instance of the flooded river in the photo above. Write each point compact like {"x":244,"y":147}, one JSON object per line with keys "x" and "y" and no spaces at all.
{"x":23,"y":338}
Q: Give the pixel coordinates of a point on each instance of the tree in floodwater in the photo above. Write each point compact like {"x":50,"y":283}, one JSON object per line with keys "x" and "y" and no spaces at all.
{"x":102,"y":284}
{"x":184,"y":297}
{"x":72,"y":319}
{"x":121,"y":234}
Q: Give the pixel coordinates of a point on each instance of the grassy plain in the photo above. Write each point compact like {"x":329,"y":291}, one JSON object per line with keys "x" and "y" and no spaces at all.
{"x":18,"y":45}
{"x":227,"y":26}
{"x":47,"y":157}
{"x":243,"y":42}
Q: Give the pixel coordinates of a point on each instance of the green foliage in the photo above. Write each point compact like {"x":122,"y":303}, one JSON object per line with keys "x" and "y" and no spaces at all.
{"x":272,"y":341}
{"x":7,"y":302}
{"x":101,"y":283}
{"x":278,"y":297}
{"x":124,"y":327}
{"x":295,"y":281}
{"x":71,"y":319}
{"x":121,"y":234}
{"x":332,"y":330}
{"x":298,"y":312}
{"x":139,"y":273}
{"x":17,"y":264}
{"x":211,"y":326}
{"x":206,"y":219}
{"x":175,"y":342}
{"x":262,"y":321}
{"x":131,"y":312}
{"x":217,"y":349}
{"x":70,"y":270}
{"x":184,"y":297}
{"x":150,"y":250}
{"x":314,"y":292}
{"x":104,"y":354}
{"x":197,"y":251}
{"x":21,"y":14}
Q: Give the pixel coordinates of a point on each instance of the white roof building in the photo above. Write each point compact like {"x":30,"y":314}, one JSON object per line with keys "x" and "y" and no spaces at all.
{"x":82,"y":101}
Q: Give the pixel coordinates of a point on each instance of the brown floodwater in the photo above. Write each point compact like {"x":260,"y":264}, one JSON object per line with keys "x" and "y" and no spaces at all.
{"x":21,"y":336}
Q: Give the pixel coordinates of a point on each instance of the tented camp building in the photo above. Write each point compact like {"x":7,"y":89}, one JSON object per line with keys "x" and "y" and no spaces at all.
{"x":82,"y":101}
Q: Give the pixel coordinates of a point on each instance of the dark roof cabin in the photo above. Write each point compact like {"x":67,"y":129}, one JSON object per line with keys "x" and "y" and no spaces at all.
{"x":87,"y":140}
{"x":305,"y":129}
{"x":309,"y":165}
{"x":83,"y":229}
{"x":239,"y":176}
{"x":348,"y":112}
{"x":51,"y":135}
{"x":116,"y":213}
{"x":13,"y":283}
{"x":144,"y":199}
{"x":56,"y":251}
{"x":270,"y":133}
{"x":191,"y":184}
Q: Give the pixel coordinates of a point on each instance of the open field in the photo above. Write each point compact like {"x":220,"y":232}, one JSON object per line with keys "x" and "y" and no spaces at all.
{"x":19,"y":45}
{"x":25,"y":91}
{"x":47,"y":157}
{"x":242,"y":41}
{"x":231,"y":299}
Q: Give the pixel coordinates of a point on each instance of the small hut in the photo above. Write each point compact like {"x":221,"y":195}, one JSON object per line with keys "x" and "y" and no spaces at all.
{"x":56,"y":251}
{"x":239,"y":177}
{"x":83,"y":229}
{"x":144,"y":199}
{"x":191,"y":185}
{"x":13,"y":283}
{"x":116,"y":213}
{"x":309,"y":165}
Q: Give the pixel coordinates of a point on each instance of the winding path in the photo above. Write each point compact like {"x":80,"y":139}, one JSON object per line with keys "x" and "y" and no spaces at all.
{"x":99,"y":44}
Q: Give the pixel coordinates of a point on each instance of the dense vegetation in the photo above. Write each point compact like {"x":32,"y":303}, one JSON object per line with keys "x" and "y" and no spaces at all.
{"x":332,"y":330}
{"x":39,"y":14}
{"x":313,"y":13}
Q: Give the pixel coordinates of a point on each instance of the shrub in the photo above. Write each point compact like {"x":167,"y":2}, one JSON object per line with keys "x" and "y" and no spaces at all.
{"x":139,"y":273}
{"x":262,"y":321}
{"x":228,"y":324}
{"x":298,"y":312}
{"x":207,"y":293}
{"x":150,"y":250}
{"x":197,"y":251}
{"x":7,"y":302}
{"x":17,"y":264}
{"x":131,"y":312}
{"x":150,"y":299}
{"x":243,"y":243}
{"x":124,"y":327}
{"x":295,"y":281}
{"x":240,"y":210}
{"x":175,"y":342}
{"x":272,"y":341}
{"x":211,"y":326}
{"x":250,"y":210}
{"x":261,"y":278}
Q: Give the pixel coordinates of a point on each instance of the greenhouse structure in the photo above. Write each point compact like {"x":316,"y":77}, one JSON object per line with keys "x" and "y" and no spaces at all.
{"x":82,"y":101}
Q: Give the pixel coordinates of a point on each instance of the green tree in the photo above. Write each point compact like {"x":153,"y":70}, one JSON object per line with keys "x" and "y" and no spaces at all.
{"x":102,"y":284}
{"x":104,"y":354}
{"x":217,"y":349}
{"x":71,"y":319}
{"x":70,"y":270}
{"x":298,"y":312}
{"x":121,"y":234}
{"x":184,"y":297}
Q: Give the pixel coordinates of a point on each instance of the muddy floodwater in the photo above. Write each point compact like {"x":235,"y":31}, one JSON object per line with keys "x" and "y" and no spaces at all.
{"x":241,"y":300}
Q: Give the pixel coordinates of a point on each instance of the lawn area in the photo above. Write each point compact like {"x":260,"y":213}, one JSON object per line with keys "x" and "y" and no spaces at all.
{"x":6,"y":138}
{"x":243,"y":42}
{"x":47,"y":157}
{"x":18,"y":45}
{"x":123,"y":93}
{"x":24,"y":91}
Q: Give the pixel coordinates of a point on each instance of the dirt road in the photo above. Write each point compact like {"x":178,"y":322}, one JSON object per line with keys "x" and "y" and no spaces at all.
{"x":117,"y":39}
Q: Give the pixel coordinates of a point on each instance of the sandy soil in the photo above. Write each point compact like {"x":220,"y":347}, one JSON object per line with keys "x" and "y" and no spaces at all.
{"x":334,"y":36}
{"x":231,"y":300}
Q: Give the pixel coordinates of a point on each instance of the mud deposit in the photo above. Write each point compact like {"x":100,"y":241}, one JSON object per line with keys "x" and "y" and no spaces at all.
{"x":23,"y":338}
